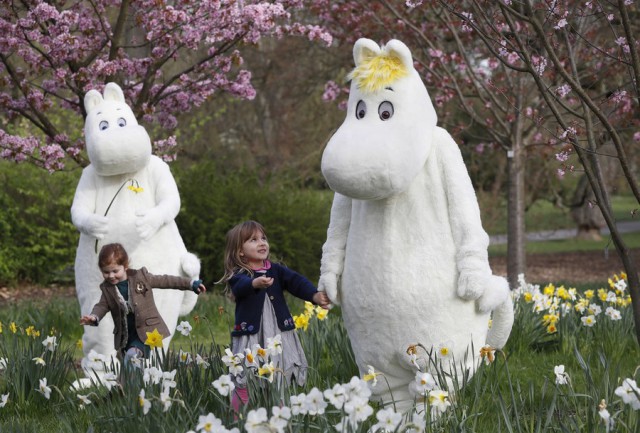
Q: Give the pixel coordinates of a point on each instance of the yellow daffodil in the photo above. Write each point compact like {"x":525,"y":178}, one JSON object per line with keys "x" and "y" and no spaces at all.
{"x":154,"y":339}
{"x":135,"y":189}
{"x":30,"y":330}
{"x":549,"y":290}
{"x":0,"y":327}
{"x":588,"y":294}
{"x":551,"y":329}
{"x":528,"y":297}
{"x":79,"y":344}
{"x":549,"y":319}
{"x":308,"y":308}
{"x":301,"y":321}
{"x":562,"y":293}
{"x":321,"y":313}
{"x":13,"y":327}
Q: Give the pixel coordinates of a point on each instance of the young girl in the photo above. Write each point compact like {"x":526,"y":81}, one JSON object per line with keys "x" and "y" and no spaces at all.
{"x":128,"y":295}
{"x":258,"y":286}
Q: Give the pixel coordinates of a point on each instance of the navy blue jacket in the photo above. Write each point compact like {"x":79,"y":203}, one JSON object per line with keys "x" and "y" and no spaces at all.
{"x":250,"y":301}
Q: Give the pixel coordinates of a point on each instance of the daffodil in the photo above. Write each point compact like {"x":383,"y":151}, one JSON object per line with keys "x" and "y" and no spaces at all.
{"x":549,"y":290}
{"x":562,"y":378}
{"x":84,"y":399}
{"x":13,"y":327}
{"x":372,"y":375}
{"x":154,"y":339}
{"x":79,"y":344}
{"x":321,"y":313}
{"x":184,"y":328}
{"x":44,"y":389}
{"x":444,"y":349}
{"x":588,"y":320}
{"x":209,"y":423}
{"x":308,"y":308}
{"x":4,"y":399}
{"x":0,"y":327}
{"x":488,"y":354}
{"x":439,"y":402}
{"x":224,"y":385}
{"x":528,"y":297}
{"x":50,"y":343}
{"x":274,"y":345}
{"x":39,"y":361}
{"x":552,"y":329}
{"x":143,"y":402}
{"x":267,"y":371}
{"x":301,"y":321}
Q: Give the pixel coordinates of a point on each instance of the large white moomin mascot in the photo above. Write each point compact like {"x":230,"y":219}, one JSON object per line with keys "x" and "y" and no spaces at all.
{"x":129,"y":196}
{"x":406,"y":255}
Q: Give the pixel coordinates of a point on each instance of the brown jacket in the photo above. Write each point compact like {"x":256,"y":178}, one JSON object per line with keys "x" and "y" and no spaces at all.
{"x":141,"y":299}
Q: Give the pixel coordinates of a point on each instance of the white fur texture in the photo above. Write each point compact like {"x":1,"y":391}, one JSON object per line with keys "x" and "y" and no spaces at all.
{"x":406,"y":254}
{"x":143,"y":222}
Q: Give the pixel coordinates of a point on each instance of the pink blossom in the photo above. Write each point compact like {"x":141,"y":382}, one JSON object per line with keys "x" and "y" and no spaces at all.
{"x":636,"y":136}
{"x":561,"y":24}
{"x":563,"y":90}
{"x":331,"y":91}
{"x":562,"y":156}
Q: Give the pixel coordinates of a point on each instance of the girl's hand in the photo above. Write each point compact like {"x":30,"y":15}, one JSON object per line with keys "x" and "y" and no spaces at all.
{"x":262,"y":282}
{"x":321,"y":299}
{"x":87,"y":320}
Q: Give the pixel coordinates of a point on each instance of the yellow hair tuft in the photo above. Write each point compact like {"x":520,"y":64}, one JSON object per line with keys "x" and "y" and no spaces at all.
{"x":378,"y":72}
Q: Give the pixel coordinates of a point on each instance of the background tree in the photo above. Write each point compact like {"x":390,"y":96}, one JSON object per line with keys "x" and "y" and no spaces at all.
{"x":168,"y":57}
{"x":590,"y":80}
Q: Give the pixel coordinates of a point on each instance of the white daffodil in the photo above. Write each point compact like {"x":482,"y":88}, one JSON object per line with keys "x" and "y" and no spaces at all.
{"x":423,"y":383}
{"x":3,"y":363}
{"x":609,"y":422}
{"x":439,"y":402}
{"x":445,"y":350}
{"x":44,"y":389}
{"x":224,"y":385}
{"x":388,"y":420}
{"x":3,"y":400}
{"x":152,"y":375}
{"x":209,"y":423}
{"x":201,"y":361}
{"x":621,"y":285}
{"x":39,"y":361}
{"x":279,"y":418}
{"x":250,"y":359}
{"x":358,"y":410}
{"x":165,"y":399}
{"x":143,"y":402}
{"x":185,"y":357}
{"x":267,"y":371}
{"x":274,"y":345}
{"x":612,"y":313}
{"x":314,"y":403}
{"x":110,"y":380}
{"x":50,"y":343}
{"x":629,"y":393}
{"x":84,"y":399}
{"x":233,"y":361}
{"x":589,"y":320}
{"x":337,"y":395}
{"x":261,"y":353}
{"x":371,"y":375}
{"x":418,"y":424}
{"x":184,"y":328}
{"x":256,"y":420}
{"x":296,"y":403}
{"x":168,"y":379}
{"x":562,"y":378}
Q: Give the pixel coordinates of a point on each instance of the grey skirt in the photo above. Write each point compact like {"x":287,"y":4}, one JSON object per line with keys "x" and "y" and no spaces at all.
{"x":291,"y":361}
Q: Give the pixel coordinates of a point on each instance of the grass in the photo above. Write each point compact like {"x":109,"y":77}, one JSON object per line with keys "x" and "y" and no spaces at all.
{"x":516,"y":393}
{"x":543,"y":215}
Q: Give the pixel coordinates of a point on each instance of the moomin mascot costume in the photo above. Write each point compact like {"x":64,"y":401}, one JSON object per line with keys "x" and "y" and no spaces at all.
{"x":129,"y":196}
{"x":406,"y":255}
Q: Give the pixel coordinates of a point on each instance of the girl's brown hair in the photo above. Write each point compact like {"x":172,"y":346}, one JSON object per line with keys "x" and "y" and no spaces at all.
{"x":233,"y":262}
{"x":113,"y":253}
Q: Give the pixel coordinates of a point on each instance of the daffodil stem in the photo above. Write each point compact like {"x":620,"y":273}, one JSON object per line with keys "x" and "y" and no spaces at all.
{"x":95,"y":248}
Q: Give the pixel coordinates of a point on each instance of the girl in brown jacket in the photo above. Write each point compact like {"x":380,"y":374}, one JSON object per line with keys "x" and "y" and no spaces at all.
{"x":127,"y":294}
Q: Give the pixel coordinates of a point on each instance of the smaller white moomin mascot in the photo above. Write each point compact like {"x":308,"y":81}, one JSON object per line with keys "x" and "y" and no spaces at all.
{"x":406,"y":255}
{"x":129,"y":196}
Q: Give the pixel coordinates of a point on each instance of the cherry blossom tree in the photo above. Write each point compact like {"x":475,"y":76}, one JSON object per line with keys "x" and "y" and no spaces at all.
{"x":168,"y":56}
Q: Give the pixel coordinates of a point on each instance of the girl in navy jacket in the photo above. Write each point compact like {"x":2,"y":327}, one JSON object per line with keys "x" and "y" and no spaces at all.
{"x":258,"y":286}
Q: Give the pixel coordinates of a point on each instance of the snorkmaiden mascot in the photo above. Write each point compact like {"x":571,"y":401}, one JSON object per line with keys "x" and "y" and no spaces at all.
{"x":406,"y":255}
{"x":129,"y":196}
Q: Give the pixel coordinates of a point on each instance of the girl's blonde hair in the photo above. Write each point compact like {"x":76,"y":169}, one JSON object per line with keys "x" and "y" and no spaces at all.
{"x":233,"y":261}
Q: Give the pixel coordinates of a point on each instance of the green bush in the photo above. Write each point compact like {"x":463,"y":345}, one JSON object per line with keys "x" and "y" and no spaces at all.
{"x":37,"y":239}
{"x":295,"y":219}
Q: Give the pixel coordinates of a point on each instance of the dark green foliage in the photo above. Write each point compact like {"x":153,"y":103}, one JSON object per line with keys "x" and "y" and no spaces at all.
{"x":295,"y":220}
{"x":37,"y":239}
